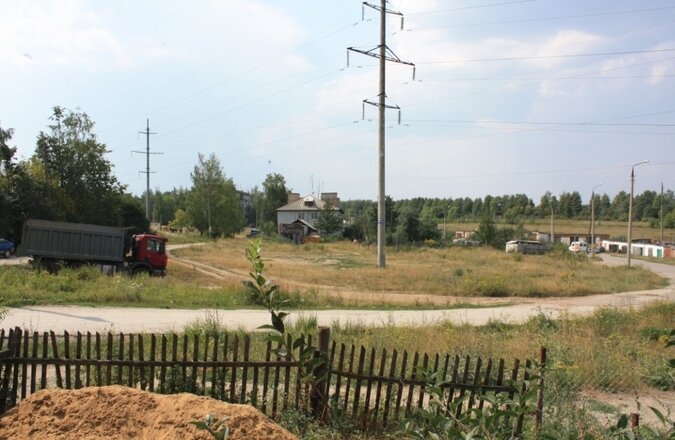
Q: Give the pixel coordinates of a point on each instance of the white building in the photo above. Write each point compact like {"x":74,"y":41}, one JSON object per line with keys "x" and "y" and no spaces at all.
{"x":307,"y":210}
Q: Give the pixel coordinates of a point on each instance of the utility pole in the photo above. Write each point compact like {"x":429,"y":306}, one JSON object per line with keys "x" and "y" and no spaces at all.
{"x":630,"y":209}
{"x":147,"y":153}
{"x":593,"y":220}
{"x":661,"y":217}
{"x":384,"y":54}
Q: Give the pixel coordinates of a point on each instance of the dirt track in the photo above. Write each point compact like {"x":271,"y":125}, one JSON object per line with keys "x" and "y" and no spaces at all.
{"x":73,"y":318}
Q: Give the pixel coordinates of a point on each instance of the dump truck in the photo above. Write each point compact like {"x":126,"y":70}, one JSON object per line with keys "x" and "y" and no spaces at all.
{"x":56,"y":244}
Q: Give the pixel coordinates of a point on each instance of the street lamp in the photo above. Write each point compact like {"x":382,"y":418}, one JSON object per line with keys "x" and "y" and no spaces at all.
{"x":630,"y":207}
{"x":593,"y":220}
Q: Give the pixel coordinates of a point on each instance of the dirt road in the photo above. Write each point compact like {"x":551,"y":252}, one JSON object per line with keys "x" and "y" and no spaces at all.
{"x":117,"y":319}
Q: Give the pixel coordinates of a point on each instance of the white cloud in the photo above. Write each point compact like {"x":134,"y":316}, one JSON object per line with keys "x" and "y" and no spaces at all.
{"x":60,"y":33}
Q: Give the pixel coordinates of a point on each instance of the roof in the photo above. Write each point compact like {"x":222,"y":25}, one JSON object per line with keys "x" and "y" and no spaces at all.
{"x":308,"y":203}
{"x":304,"y":223}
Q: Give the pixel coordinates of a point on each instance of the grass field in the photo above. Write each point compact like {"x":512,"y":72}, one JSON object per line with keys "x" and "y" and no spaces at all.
{"x":453,"y":271}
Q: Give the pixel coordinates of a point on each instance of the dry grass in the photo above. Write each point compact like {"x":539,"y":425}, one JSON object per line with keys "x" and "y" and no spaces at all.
{"x":449,"y":271}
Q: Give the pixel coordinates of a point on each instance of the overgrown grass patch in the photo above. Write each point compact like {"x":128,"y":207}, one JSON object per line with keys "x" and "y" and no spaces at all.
{"x":456,"y":271}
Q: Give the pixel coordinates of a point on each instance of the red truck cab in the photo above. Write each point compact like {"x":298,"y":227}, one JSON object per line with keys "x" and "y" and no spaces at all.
{"x":148,"y":254}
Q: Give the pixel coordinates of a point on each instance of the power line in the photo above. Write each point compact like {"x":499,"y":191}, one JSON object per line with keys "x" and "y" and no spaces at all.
{"x":471,"y":7}
{"x":540,"y":57}
{"x":539,"y":19}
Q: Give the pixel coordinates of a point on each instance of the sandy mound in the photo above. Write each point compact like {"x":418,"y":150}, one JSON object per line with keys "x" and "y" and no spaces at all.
{"x":116,"y":413}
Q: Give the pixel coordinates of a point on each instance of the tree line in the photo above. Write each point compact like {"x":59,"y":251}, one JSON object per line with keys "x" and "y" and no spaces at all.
{"x":68,"y":178}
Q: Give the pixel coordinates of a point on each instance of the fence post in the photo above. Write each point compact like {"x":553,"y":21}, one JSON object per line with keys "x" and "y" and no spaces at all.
{"x":540,"y":395}
{"x":635,"y":423}
{"x":319,"y":393}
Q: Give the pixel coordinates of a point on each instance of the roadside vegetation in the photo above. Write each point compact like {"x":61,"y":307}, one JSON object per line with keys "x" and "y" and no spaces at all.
{"x":591,"y":361}
{"x":307,"y":272}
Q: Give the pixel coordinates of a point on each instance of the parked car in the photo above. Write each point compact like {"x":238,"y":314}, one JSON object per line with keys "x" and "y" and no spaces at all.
{"x":253,"y":232}
{"x":6,"y":247}
{"x":578,"y":246}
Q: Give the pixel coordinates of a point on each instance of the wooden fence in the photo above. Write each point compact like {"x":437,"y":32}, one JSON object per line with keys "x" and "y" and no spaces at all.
{"x":371,"y":387}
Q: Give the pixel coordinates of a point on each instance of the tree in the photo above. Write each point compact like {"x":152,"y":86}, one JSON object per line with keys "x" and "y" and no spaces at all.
{"x":180,"y":221}
{"x":213,"y":204}
{"x":74,"y":161}
{"x":329,"y":222}
{"x":274,"y":196}
{"x":487,"y":231}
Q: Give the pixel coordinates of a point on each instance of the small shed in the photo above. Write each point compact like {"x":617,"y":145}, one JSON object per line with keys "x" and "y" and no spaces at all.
{"x":526,"y":247}
{"x":299,"y":231}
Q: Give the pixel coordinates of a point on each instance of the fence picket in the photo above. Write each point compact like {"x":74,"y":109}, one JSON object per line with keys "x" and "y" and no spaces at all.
{"x":359,"y":379}
{"x":141,"y":359}
{"x":411,"y":386}
{"x":24,"y":367}
{"x":195,"y":358}
{"x":390,"y":385}
{"x":378,"y":391}
{"x":120,"y":358}
{"x":87,"y":377}
{"x":399,"y":392}
{"x":244,"y":371}
{"x":214,"y":369}
{"x":266,"y":376}
{"x":66,"y":353}
{"x":55,"y":352}
{"x":153,"y":349}
{"x":349,"y":378}
{"x":425,"y":366}
{"x":486,"y":381}
{"x":78,"y":356}
{"x":130,"y":379}
{"x":33,"y":367}
{"x":476,"y":383}
{"x":206,"y":357}
{"x":109,"y":352}
{"x":233,"y":376}
{"x":369,"y":383}
{"x":99,"y":380}
{"x":275,"y":390}
{"x":465,"y":377}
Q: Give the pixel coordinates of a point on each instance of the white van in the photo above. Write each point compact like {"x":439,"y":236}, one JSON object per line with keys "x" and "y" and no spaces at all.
{"x":578,"y":246}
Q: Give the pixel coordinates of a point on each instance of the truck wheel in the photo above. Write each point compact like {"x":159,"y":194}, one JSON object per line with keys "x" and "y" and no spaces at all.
{"x":139,"y":270}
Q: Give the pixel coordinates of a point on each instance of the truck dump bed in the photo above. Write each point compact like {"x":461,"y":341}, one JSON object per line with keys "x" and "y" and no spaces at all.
{"x":72,"y":242}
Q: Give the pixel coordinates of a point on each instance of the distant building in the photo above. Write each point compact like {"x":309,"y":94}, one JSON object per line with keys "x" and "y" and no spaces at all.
{"x":297,"y":219}
{"x":568,"y":238}
{"x":640,"y":248}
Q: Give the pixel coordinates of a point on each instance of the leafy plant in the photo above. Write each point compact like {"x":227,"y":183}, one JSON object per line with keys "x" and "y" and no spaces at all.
{"x":217,"y":428}
{"x":445,"y":418}
{"x":267,"y":293}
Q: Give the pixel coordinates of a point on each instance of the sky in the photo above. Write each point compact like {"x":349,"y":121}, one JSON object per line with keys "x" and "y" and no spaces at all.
{"x":508,"y":96}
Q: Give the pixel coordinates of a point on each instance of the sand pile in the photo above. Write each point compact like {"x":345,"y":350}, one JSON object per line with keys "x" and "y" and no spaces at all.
{"x":116,"y":413}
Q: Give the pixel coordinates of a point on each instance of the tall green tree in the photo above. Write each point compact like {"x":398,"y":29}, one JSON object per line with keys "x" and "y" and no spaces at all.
{"x":213,"y":205}
{"x":74,"y":161}
{"x":487,"y":231}
{"x":329,"y":221}
{"x":274,"y":196}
